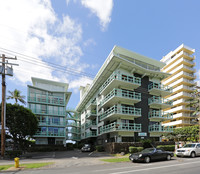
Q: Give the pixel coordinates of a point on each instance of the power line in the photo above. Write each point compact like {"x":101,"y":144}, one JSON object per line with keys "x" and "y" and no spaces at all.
{"x":33,"y":60}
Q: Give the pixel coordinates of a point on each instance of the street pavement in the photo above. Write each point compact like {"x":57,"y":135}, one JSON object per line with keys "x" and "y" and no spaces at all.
{"x":86,"y":163}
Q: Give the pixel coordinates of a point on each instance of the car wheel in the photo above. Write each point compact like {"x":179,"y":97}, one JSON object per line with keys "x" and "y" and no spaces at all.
{"x":147,"y":159}
{"x":169,"y":157}
{"x":193,"y":154}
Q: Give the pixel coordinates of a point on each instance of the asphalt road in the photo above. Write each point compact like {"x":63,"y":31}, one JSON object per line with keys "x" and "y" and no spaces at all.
{"x":175,"y":166}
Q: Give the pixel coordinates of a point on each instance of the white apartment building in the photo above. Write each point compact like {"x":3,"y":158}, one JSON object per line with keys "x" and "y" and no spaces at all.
{"x":180,"y":64}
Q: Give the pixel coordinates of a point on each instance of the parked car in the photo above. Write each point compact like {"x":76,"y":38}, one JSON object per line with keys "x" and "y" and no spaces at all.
{"x":151,"y":154}
{"x":87,"y":148}
{"x":192,"y":150}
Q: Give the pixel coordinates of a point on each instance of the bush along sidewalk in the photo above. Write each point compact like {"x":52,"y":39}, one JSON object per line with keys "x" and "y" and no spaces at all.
{"x":133,"y":149}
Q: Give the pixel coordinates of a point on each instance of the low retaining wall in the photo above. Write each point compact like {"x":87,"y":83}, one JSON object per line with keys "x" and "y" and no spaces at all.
{"x":124,"y":147}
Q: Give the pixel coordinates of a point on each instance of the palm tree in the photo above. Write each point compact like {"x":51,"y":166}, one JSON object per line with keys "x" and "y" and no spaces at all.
{"x":16,"y":94}
{"x":195,"y":103}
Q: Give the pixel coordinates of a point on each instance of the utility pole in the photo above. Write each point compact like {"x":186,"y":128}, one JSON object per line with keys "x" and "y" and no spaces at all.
{"x":5,"y":70}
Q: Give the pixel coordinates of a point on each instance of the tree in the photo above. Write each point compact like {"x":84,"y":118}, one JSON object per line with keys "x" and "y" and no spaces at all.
{"x":21,"y":122}
{"x":16,"y":95}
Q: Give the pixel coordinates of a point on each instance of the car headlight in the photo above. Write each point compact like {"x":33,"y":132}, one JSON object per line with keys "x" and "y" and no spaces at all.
{"x":140,"y":155}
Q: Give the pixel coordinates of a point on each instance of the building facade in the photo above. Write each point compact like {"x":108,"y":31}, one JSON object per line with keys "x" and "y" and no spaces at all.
{"x":125,"y":100}
{"x":47,"y":100}
{"x":180,"y":64}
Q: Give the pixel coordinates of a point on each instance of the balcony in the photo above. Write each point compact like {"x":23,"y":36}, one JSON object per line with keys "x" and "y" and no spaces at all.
{"x":180,"y":95}
{"x":122,"y":80}
{"x":49,"y":134}
{"x":48,"y":123}
{"x":180,"y":109}
{"x":73,"y":131}
{"x":73,"y":138}
{"x":156,"y":115}
{"x":45,"y":100}
{"x":90,"y":134}
{"x":182,"y":81}
{"x":122,"y":95}
{"x":72,"y":117}
{"x":71,"y":124}
{"x":159,"y":103}
{"x":91,"y":124}
{"x":48,"y":112}
{"x":91,"y":114}
{"x":124,"y":127}
{"x":126,"y":112}
{"x":178,"y":123}
{"x":91,"y":104}
{"x":158,"y":89}
{"x":160,"y":129}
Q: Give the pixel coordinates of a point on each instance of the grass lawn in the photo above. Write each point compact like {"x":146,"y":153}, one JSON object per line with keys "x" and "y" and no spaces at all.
{"x":26,"y":166}
{"x":116,"y":160}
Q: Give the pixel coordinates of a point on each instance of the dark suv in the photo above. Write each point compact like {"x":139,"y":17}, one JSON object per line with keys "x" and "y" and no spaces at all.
{"x":87,"y":148}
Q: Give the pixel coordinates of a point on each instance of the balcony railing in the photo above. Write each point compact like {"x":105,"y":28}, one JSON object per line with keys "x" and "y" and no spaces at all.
{"x":49,"y":134}
{"x":159,"y":128}
{"x":90,"y":134}
{"x":71,"y":124}
{"x":91,"y":113}
{"x":74,"y":138}
{"x":121,"y":110}
{"x":47,"y":112}
{"x":48,"y":123}
{"x":54,"y":101}
{"x":73,"y":131}
{"x":121,"y":77}
{"x":156,"y":114}
{"x":90,"y":124}
{"x":120,"y":127}
{"x":122,"y":93}
{"x":160,"y":100}
{"x":154,"y":85}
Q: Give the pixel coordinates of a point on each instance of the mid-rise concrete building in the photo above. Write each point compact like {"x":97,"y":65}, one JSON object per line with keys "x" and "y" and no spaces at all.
{"x":180,"y":64}
{"x":47,"y":100}
{"x":124,"y":103}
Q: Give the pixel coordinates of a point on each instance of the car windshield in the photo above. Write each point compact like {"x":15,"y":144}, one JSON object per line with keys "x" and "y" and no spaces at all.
{"x":86,"y":145}
{"x":148,"y":150}
{"x":189,"y":146}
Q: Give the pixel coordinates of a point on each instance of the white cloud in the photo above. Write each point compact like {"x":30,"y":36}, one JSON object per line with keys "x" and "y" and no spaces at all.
{"x":33,"y":28}
{"x":101,"y":8}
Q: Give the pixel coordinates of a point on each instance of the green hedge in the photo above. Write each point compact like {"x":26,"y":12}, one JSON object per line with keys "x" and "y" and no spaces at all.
{"x":133,"y":149}
{"x":13,"y":153}
{"x":167,"y":147}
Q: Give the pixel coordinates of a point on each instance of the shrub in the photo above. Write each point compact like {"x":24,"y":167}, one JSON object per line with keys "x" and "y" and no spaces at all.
{"x":99,"y":148}
{"x":132,"y":149}
{"x":146,"y":143}
{"x":70,"y":146}
{"x":139,"y":149}
{"x":167,"y":147}
{"x":14,"y":153}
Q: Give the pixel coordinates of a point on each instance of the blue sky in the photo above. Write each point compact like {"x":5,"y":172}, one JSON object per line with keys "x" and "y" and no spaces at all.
{"x":79,"y":34}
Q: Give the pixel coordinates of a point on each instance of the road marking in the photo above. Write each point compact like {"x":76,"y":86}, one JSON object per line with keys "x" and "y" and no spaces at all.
{"x":120,"y":168}
{"x":90,"y":153}
{"x":154,"y":168}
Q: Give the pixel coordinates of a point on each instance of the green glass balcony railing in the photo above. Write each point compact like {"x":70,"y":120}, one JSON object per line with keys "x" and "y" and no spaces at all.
{"x":91,"y":102}
{"x":54,"y":101}
{"x":91,"y":113}
{"x":70,"y":124}
{"x":160,"y":114}
{"x":159,"y":128}
{"x":160,"y":100}
{"x":121,"y":110}
{"x":121,"y":77}
{"x":48,"y":123}
{"x":122,"y":93}
{"x":120,"y":127}
{"x":74,"y":131}
{"x":47,"y":112}
{"x":154,"y":85}
{"x":74,"y":138}
{"x":90,"y":124}
{"x":90,"y":134}
{"x":49,"y":134}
